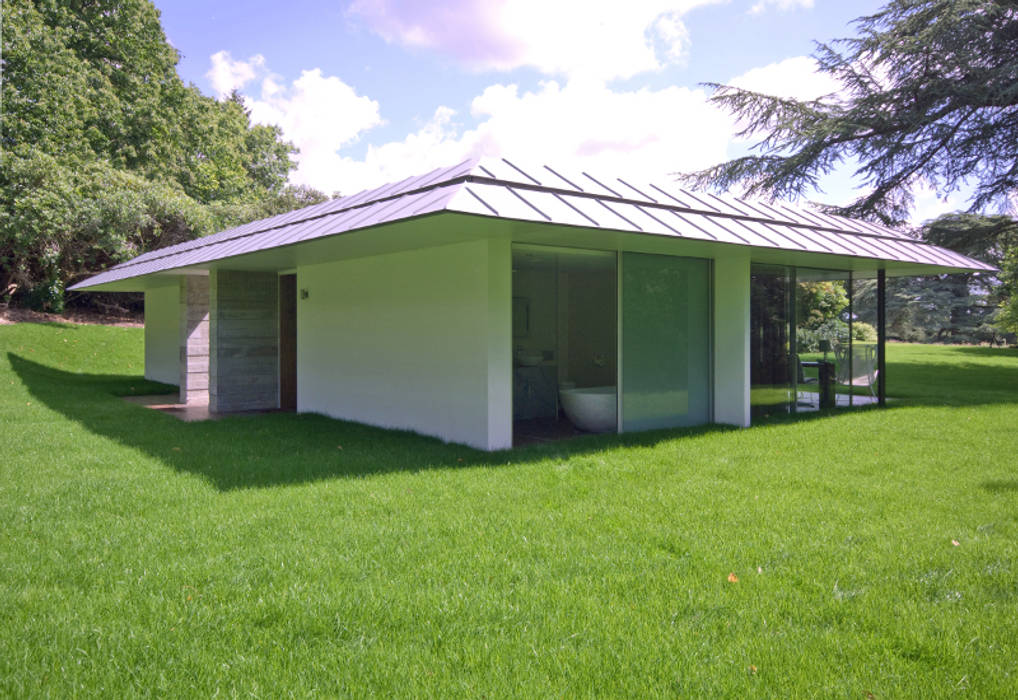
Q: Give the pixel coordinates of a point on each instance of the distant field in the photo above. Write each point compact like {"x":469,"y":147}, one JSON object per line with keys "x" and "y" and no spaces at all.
{"x":872,"y":551}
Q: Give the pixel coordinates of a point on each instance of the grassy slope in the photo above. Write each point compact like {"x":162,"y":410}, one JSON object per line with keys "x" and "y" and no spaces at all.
{"x":253,"y":555}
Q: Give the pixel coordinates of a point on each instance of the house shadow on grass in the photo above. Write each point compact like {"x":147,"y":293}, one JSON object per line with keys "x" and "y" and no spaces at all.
{"x":274,"y":449}
{"x":1001,"y":486}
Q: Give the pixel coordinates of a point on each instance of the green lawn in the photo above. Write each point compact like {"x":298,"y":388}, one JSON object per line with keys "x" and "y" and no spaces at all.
{"x":283,"y":555}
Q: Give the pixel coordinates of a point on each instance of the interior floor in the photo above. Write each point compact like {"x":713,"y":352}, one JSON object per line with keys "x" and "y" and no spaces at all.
{"x":809,"y":401}
{"x":539,"y":430}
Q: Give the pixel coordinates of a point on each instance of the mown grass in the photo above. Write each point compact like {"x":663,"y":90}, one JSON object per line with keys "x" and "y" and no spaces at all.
{"x":282,"y":555}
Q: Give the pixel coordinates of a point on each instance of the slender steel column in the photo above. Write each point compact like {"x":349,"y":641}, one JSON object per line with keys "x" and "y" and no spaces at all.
{"x":881,"y":336}
{"x":851,"y":343}
{"x":793,"y":341}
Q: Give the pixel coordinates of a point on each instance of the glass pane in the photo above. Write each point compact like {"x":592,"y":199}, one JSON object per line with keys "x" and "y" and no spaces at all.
{"x":565,"y":342}
{"x":831,"y":340}
{"x":863,"y":370}
{"x":772,"y":360}
{"x":665,"y":341}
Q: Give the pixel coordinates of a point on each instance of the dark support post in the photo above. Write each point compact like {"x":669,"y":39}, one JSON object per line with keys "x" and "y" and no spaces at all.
{"x":851,"y":343}
{"x":881,"y":336}
{"x":793,"y":342}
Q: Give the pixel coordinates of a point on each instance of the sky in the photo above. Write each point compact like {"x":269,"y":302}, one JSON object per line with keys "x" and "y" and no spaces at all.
{"x":373,"y":91}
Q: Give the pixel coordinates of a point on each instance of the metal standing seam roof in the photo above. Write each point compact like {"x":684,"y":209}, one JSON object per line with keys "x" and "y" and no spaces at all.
{"x":501,"y":189}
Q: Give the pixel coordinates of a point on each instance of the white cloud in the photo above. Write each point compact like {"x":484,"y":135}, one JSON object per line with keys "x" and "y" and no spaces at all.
{"x":603,"y":39}
{"x":319,"y":114}
{"x":797,"y":78}
{"x":577,"y":123}
{"x":673,"y":35}
{"x":781,"y":5}
{"x":227,"y":75}
{"x":653,"y":131}
{"x":929,"y":205}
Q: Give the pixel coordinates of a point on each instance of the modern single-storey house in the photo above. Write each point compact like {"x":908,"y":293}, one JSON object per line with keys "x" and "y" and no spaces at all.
{"x":477,"y":299}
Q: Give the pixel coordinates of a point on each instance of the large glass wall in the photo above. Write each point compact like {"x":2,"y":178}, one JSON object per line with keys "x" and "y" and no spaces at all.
{"x":772,"y":361}
{"x":565,"y":342}
{"x":834,"y":331}
{"x":666,"y":348}
{"x":812,"y":344}
{"x":822,"y":338}
{"x":863,"y":324}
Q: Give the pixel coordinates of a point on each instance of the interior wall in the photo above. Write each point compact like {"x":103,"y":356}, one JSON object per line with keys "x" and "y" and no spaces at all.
{"x":162,"y":334}
{"x":418,"y":340}
{"x":537,"y":288}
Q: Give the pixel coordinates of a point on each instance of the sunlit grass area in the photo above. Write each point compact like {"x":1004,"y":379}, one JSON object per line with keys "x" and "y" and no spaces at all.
{"x":865,"y":551}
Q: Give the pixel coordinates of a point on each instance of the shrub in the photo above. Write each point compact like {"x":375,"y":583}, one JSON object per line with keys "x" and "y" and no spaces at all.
{"x":864,"y":331}
{"x":833,"y":330}
{"x":46,"y":296}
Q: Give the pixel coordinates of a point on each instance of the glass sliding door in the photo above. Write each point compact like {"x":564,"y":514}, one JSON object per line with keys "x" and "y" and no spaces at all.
{"x":865,"y":342}
{"x":773,"y":375}
{"x":809,"y":347}
{"x":666,"y":350}
{"x":824,"y":321}
{"x":565,"y":342}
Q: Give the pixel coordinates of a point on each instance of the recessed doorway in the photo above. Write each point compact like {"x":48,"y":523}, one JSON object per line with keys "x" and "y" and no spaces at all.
{"x":288,"y":342}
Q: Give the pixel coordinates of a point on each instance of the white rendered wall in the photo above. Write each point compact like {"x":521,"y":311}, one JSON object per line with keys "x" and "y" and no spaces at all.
{"x":731,"y":338}
{"x":162,"y":334}
{"x":418,"y":340}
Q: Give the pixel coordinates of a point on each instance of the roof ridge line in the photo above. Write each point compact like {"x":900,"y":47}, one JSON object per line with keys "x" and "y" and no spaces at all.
{"x":480,"y":179}
{"x":469,"y":177}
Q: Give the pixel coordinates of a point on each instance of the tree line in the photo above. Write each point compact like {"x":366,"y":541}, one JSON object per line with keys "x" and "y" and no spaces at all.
{"x":106,"y":153}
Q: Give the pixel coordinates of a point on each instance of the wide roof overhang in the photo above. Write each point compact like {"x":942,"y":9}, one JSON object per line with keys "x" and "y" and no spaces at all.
{"x":498,"y":199}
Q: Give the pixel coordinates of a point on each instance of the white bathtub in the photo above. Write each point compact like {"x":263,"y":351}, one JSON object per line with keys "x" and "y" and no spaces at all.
{"x":591,"y":408}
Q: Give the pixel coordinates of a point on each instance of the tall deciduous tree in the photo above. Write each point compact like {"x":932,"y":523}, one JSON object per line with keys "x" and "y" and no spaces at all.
{"x":107,"y":153}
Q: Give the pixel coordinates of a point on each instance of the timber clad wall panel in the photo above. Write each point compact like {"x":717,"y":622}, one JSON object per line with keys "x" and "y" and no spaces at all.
{"x":244,"y":344}
{"x":194,"y":339}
